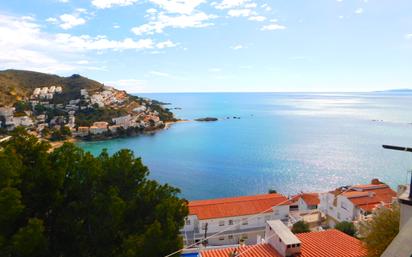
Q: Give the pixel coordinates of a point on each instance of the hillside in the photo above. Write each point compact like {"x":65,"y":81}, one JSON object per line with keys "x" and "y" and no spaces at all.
{"x":18,"y":85}
{"x":75,"y":105}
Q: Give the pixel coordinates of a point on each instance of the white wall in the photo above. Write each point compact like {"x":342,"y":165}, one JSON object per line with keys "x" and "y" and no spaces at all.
{"x":343,"y":211}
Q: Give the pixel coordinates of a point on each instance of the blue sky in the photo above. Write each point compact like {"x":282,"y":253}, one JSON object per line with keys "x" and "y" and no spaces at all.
{"x":218,"y":45}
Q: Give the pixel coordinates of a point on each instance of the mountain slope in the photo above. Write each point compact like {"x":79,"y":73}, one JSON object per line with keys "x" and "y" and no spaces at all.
{"x":19,"y":84}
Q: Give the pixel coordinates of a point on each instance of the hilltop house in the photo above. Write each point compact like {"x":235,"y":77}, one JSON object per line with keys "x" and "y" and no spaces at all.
{"x":243,"y":218}
{"x":355,"y":202}
{"x":281,"y":242}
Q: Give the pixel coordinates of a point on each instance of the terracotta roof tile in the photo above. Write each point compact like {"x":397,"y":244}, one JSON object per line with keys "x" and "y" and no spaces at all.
{"x":370,"y":198}
{"x":330,"y":243}
{"x":235,"y":206}
{"x":311,"y":198}
{"x":259,"y":250}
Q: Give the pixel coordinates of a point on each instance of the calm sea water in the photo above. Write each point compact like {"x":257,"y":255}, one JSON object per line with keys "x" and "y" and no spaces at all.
{"x":288,"y":142}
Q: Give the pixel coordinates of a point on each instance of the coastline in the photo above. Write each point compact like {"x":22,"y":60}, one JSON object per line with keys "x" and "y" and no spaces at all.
{"x":168,"y":124}
{"x":57,"y":144}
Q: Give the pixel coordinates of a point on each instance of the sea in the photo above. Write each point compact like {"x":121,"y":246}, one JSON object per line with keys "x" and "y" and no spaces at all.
{"x":288,"y":142}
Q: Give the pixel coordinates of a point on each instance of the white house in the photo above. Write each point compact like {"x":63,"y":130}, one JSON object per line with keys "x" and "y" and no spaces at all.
{"x":308,"y":201}
{"x":355,"y":202}
{"x":243,"y":218}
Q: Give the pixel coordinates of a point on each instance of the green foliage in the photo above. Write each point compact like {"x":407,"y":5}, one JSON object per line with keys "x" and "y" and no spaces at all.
{"x":300,"y":227}
{"x":30,"y":240}
{"x":88,"y":116}
{"x":22,"y":106}
{"x":69,"y":203}
{"x":346,"y":227}
{"x":378,"y":232}
{"x":60,"y":134}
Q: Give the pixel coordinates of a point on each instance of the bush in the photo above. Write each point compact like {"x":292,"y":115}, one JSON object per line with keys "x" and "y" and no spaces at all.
{"x":346,"y":227}
{"x":300,"y":227}
{"x":378,"y":232}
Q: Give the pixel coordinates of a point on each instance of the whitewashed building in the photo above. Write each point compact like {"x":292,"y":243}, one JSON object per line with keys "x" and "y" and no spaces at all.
{"x":243,"y":218}
{"x":355,"y":202}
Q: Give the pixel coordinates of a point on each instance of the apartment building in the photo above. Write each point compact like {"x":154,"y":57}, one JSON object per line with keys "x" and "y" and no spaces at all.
{"x":242,"y":219}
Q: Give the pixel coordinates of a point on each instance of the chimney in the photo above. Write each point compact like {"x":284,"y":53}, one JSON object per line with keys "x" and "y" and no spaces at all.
{"x":279,"y":236}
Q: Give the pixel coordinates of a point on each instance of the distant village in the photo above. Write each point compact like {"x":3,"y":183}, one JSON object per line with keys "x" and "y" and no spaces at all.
{"x":42,"y":115}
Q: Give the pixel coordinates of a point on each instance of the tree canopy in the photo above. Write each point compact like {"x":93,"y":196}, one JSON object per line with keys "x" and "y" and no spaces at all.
{"x":377,"y":233}
{"x":346,"y":227}
{"x":67,"y":202}
{"x":300,"y":227}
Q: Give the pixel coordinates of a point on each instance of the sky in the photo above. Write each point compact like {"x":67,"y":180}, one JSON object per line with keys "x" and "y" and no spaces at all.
{"x":214,"y":46}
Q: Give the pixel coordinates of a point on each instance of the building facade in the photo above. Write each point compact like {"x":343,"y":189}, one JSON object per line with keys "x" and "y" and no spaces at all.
{"x":238,"y":219}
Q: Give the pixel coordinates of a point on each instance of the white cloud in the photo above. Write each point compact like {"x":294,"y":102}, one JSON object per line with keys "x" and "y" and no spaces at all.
{"x":163,"y":21}
{"x":116,"y":26}
{"x":359,"y":11}
{"x":165,"y":44}
{"x":273,"y":26}
{"x":239,"y":12}
{"x":237,"y":47}
{"x":408,"y":36}
{"x":24,"y":46}
{"x":151,"y":11}
{"x":229,"y":4}
{"x":266,"y":7}
{"x":63,"y":1}
{"x":257,"y":18}
{"x":178,"y":6}
{"x":87,"y":43}
{"x":104,"y":4}
{"x":69,"y":21}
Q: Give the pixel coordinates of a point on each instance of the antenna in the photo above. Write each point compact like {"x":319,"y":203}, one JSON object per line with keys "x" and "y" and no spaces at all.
{"x":405,"y":149}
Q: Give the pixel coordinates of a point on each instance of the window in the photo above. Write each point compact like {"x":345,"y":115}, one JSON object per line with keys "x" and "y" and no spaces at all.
{"x":230,"y":237}
{"x":221,"y":223}
{"x":244,"y":222}
{"x":230,"y":222}
{"x":221,"y":238}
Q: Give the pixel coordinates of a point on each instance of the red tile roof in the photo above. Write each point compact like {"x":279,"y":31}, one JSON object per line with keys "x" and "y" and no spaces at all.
{"x":370,"y":196}
{"x":259,"y":250}
{"x":329,"y":243}
{"x":311,"y":198}
{"x":235,"y":206}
